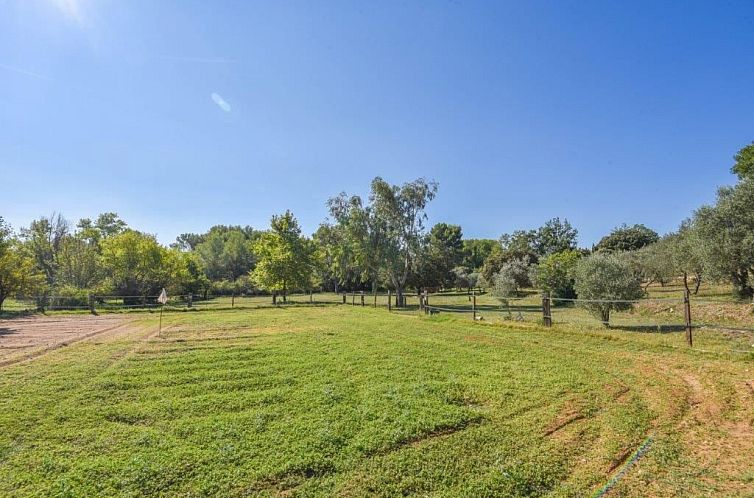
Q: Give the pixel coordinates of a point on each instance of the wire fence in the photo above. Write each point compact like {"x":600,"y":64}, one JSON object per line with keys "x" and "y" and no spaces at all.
{"x":113,"y":303}
{"x":655,"y":314}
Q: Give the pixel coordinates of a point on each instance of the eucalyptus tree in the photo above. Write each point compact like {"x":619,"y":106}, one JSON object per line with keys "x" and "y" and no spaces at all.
{"x":338,"y":266}
{"x":386,"y":234}
{"x":43,"y":240}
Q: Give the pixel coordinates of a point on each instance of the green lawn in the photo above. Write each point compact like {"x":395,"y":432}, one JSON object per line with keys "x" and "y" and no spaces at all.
{"x":351,"y":401}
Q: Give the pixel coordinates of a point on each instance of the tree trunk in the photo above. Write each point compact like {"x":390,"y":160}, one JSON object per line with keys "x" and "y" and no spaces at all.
{"x":605,"y":315}
{"x":686,"y":281}
{"x":698,"y":277}
{"x":741,"y":286}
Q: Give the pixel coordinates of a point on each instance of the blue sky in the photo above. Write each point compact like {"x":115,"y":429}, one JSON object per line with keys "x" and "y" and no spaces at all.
{"x":180,"y":115}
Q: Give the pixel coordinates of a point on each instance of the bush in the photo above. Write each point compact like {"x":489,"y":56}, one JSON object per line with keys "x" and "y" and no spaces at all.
{"x":241,"y":286}
{"x":606,"y":277}
{"x":68,"y":296}
{"x":554,"y":274}
{"x":513,"y":276}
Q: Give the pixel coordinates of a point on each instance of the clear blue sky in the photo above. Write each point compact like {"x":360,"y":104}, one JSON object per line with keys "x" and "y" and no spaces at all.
{"x":180,"y":115}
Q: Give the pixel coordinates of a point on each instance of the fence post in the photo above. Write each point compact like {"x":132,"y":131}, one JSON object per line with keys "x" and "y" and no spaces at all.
{"x":311,"y":296}
{"x":546,"y":314}
{"x":473,"y":306}
{"x":274,"y":298}
{"x":344,"y":298}
{"x":687,"y":316}
{"x":233,"y":300}
{"x":190,"y":302}
{"x":362,"y":298}
{"x":389,"y":302}
{"x":375,"y":297}
{"x":353,"y":298}
{"x":91,"y":305}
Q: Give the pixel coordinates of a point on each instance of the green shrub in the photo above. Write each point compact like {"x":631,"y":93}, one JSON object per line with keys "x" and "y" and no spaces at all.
{"x":609,"y":280}
{"x":554,"y":274}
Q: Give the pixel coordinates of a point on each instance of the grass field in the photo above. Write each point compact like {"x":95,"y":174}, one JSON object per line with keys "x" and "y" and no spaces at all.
{"x":351,"y":401}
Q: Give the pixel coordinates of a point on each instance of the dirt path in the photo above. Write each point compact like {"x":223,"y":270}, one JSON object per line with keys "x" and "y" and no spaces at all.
{"x":708,"y":408}
{"x":25,"y":338}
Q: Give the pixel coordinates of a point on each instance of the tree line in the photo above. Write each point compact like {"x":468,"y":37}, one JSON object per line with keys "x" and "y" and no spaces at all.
{"x":382,"y":242}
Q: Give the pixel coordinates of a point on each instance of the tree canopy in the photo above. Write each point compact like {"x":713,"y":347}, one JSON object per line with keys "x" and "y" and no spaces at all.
{"x":627,"y":238}
{"x":386,"y":235}
{"x":286,"y":259}
{"x":744,"y":162}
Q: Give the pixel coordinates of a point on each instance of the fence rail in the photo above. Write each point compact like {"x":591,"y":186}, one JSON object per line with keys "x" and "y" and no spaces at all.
{"x":650,"y":314}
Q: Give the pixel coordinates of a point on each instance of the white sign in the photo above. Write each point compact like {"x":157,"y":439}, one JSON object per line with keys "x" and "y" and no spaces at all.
{"x":163,"y":297}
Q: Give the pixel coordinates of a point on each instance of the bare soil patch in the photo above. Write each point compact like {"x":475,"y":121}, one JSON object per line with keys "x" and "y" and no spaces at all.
{"x":28,"y":337}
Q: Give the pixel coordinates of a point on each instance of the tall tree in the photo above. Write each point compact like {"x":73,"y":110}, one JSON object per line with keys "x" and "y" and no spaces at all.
{"x":555,"y":236}
{"x":43,"y":240}
{"x":443,"y":252}
{"x":727,"y":228}
{"x":627,"y":238}
{"x":388,"y":233}
{"x":475,"y":251}
{"x":339,"y":266}
{"x":136,"y":265}
{"x":226,"y":252}
{"x":286,"y":258}
{"x":78,"y":262}
{"x":17,"y":271}
{"x":744,"y":165}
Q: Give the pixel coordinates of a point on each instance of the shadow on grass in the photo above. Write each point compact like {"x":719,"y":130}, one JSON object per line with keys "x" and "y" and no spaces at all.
{"x":6,"y":315}
{"x":660,"y":328}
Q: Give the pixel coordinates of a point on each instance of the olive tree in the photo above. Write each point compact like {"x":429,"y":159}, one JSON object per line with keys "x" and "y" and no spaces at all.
{"x":727,"y":229}
{"x":606,"y":282}
{"x":687,"y":248}
{"x":512,"y":277}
